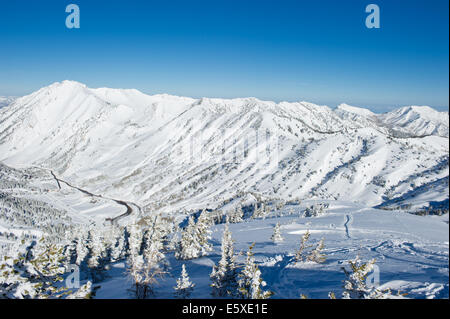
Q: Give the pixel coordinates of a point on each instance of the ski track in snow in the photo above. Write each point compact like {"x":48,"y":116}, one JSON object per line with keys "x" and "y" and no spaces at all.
{"x":347,"y":223}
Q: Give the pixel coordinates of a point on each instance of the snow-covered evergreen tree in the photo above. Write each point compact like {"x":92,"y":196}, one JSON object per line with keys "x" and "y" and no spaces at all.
{"x":203,"y":233}
{"x":143,"y":261}
{"x":355,"y":286}
{"x":121,"y":246}
{"x":257,"y":211}
{"x":135,"y":240}
{"x":81,"y":251}
{"x":100,"y":256}
{"x":84,"y":292}
{"x":299,"y":256}
{"x":315,"y":210}
{"x":188,"y":247}
{"x":153,"y":249}
{"x":224,"y":275}
{"x":184,"y":286}
{"x":236,"y":216}
{"x":276,"y":236}
{"x":195,"y":238}
{"x":173,"y":244}
{"x":260,"y":211}
{"x":70,"y":251}
{"x":144,"y":274}
{"x":34,"y":272}
{"x":95,"y":249}
{"x":317,"y":254}
{"x":250,"y":281}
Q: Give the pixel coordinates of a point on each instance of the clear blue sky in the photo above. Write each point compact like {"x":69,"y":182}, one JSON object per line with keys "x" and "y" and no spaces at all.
{"x":319,"y":51}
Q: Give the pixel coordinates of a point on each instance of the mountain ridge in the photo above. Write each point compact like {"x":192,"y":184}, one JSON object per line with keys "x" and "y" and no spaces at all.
{"x":100,"y":92}
{"x":170,"y":152}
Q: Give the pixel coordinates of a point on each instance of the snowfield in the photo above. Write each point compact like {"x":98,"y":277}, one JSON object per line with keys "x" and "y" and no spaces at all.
{"x":101,"y":172}
{"x":410,"y":251}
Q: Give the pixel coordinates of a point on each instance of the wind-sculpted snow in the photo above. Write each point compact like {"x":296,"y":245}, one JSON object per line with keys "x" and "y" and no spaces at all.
{"x":172,"y":153}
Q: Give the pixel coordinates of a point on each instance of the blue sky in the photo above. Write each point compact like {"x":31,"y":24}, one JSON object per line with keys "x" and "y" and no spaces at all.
{"x":318,"y":51}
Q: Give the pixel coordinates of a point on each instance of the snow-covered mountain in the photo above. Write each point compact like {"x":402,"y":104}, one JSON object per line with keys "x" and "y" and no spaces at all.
{"x":416,"y":120}
{"x":169,"y":152}
{"x":78,"y":164}
{"x":408,"y":121}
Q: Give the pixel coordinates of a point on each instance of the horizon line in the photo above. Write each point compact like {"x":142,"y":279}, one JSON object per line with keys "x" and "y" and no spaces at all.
{"x":332,"y":105}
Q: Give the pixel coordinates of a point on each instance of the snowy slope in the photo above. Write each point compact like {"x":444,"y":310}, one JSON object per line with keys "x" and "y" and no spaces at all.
{"x":79,"y":157}
{"x":411,"y":254}
{"x":6,"y":100}
{"x":172,"y":153}
{"x":416,"y":120}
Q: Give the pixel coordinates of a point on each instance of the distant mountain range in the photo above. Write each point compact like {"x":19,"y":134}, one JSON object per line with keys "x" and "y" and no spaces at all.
{"x":168,"y":152}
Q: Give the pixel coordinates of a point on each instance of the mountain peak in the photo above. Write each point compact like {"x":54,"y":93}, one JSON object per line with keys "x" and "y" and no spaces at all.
{"x":417,"y":120}
{"x":354,"y":109}
{"x":67,"y":84}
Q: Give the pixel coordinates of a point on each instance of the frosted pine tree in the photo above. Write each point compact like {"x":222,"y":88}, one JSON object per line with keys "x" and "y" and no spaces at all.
{"x":95,"y":249}
{"x":135,"y":240}
{"x":355,"y":286}
{"x":100,"y":258}
{"x":184,"y":286}
{"x":143,"y":263}
{"x":206,"y":217}
{"x":316,"y":254}
{"x":276,"y":236}
{"x":70,"y":252}
{"x":203,"y":233}
{"x":188,"y":248}
{"x":195,"y":238}
{"x":257,"y":212}
{"x":121,"y":245}
{"x":116,"y":249}
{"x":260,"y":212}
{"x":299,"y":256}
{"x":153,"y":249}
{"x":315,"y":210}
{"x":250,"y":281}
{"x":236,"y":216}
{"x":265,"y":210}
{"x":84,"y":292}
{"x":126,"y":242}
{"x":135,"y":268}
{"x":174,"y":241}
{"x":34,"y":272}
{"x":82,"y":253}
{"x":144,"y":274}
{"x":224,"y":275}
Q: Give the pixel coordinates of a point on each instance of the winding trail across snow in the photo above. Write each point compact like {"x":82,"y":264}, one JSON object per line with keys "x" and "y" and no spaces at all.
{"x":113,"y":220}
{"x":56,"y":179}
{"x":346,"y":224}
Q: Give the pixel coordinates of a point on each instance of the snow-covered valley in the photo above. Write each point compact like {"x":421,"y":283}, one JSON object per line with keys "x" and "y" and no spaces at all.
{"x":84,"y":166}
